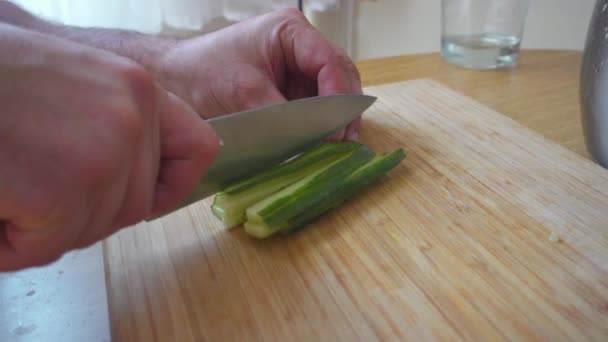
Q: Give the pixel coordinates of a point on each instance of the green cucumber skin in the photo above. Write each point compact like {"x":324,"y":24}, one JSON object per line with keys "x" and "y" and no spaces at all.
{"x":353,"y":183}
{"x":309,"y":157}
{"x":360,"y":178}
{"x":230,"y":204}
{"x":231,"y":208}
{"x":322,"y":186}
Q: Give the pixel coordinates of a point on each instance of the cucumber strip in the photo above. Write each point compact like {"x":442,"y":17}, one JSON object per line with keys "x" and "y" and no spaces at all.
{"x":274,"y":212}
{"x":230,"y":208}
{"x":360,"y":178}
{"x":230,"y":204}
{"x":294,"y":165}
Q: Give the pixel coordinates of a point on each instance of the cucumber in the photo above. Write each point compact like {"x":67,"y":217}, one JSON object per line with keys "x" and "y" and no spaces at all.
{"x":274,"y":213}
{"x":290,"y":195}
{"x":230,"y":204}
{"x":359,"y":179}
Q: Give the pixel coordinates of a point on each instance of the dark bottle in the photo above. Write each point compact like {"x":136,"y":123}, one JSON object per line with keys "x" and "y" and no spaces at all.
{"x":594,"y":85}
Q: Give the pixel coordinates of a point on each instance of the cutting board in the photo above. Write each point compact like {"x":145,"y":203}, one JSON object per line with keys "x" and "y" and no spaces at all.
{"x":456,"y":243}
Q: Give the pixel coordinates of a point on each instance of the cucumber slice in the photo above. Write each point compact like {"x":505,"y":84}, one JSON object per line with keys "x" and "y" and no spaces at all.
{"x":230,"y":204}
{"x":261,"y":226}
{"x":360,"y":178}
{"x":274,"y":212}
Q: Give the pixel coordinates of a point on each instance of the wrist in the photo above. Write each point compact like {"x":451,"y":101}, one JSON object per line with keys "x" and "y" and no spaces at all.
{"x":147,"y":50}
{"x":151,"y":52}
{"x":167,"y":71}
{"x":158,"y":55}
{"x":13,"y":15}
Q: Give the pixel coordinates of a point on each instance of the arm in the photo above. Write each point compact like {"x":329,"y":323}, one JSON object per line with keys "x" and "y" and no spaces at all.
{"x":268,"y":59}
{"x":145,"y":49}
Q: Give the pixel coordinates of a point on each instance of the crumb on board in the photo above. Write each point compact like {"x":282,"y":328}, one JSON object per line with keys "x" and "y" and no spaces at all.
{"x":553,"y":237}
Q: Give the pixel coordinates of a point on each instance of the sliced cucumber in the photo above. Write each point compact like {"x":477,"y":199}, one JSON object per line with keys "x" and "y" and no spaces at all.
{"x":360,"y":178}
{"x":230,"y":204}
{"x":274,"y":213}
{"x":292,"y":194}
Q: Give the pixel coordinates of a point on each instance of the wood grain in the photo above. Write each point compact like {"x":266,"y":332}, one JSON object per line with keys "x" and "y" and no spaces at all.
{"x":540,"y":93}
{"x":452,"y":245}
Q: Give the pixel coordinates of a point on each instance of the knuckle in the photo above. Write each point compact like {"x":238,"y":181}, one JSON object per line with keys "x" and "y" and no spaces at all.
{"x":96,"y":161}
{"x":134,"y":73}
{"x":139,"y":82}
{"x":124,"y":121}
{"x":139,"y":101}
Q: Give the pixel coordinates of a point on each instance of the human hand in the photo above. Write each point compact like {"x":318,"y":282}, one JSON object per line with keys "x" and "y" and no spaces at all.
{"x":89,"y":144}
{"x":268,"y":59}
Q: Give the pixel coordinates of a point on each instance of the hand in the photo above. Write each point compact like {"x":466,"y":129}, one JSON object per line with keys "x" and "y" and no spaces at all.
{"x":268,"y":59}
{"x":89,"y":144}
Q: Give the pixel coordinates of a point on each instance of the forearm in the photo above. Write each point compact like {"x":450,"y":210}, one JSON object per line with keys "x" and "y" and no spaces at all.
{"x":147,"y":50}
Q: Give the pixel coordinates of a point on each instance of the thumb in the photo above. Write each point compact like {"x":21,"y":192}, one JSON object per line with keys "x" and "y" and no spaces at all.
{"x":188,"y":147}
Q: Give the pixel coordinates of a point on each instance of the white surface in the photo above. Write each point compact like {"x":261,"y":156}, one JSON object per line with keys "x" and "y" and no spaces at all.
{"x":394,"y":27}
{"x":152,"y":16}
{"x":65,"y":301}
{"x":380,"y":27}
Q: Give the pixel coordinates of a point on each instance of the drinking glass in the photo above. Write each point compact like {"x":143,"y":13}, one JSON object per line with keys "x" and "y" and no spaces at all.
{"x":482,"y":34}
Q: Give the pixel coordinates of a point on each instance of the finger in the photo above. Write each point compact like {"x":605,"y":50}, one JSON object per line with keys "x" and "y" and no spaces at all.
{"x":308,"y":52}
{"x":138,"y":191}
{"x":36,"y":240}
{"x":352,"y":131}
{"x":20,"y":248}
{"x":188,"y":147}
{"x":139,"y":196}
{"x":9,"y":260}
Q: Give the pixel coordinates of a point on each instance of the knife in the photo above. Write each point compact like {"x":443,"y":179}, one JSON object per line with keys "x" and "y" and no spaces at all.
{"x":254,"y":139}
{"x":257,"y":138}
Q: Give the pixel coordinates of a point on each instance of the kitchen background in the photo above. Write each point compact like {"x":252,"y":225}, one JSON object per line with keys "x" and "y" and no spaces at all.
{"x":365,"y":28}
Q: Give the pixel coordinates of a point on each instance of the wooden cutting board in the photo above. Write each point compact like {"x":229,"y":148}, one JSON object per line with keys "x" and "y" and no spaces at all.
{"x":454,"y":244}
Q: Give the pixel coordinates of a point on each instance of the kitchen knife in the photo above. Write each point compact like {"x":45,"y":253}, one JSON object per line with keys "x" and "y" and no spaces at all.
{"x":257,"y":138}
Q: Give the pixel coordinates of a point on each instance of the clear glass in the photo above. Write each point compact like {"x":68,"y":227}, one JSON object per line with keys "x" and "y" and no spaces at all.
{"x":482,"y":34}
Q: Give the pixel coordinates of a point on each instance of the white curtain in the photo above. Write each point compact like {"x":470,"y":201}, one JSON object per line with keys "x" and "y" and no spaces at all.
{"x":156,"y":16}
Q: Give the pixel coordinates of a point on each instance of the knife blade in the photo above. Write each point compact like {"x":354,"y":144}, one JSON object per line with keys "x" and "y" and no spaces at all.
{"x":257,"y":138}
